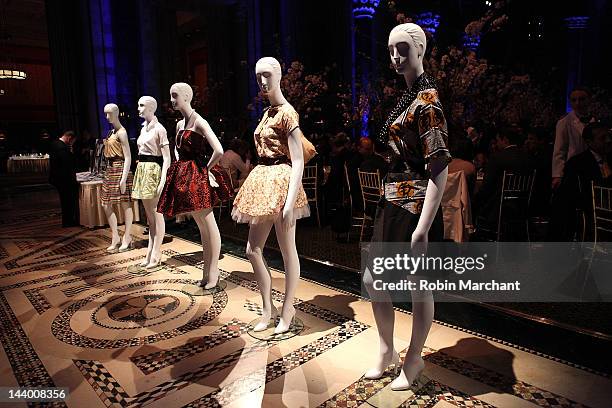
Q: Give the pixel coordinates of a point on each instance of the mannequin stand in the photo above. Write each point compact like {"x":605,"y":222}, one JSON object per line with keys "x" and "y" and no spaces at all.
{"x":141,"y":270}
{"x":297,"y":326}
{"x":196,"y":289}
{"x":420,"y":388}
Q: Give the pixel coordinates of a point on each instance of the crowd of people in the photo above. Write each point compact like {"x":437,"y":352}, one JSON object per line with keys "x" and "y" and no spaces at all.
{"x":566,"y":160}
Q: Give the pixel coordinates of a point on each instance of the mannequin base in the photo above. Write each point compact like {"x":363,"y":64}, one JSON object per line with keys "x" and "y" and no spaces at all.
{"x":387,"y":397}
{"x":197,"y":290}
{"x":297,"y":326}
{"x":139,"y":270}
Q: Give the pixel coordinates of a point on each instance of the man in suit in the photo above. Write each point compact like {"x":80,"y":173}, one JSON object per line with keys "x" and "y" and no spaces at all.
{"x":568,"y":133}
{"x":592,"y":165}
{"x":540,"y":150}
{"x":62,"y":175}
{"x":509,"y":157}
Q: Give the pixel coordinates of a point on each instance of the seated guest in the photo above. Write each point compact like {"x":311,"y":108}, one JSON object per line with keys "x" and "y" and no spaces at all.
{"x":62,"y":175}
{"x":236,"y":161}
{"x":371,"y":161}
{"x":460,"y":150}
{"x":368,"y":160}
{"x":592,"y":165}
{"x":338,"y":157}
{"x":507,"y":157}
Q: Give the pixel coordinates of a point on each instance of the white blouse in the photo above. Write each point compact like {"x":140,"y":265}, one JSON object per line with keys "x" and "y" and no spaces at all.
{"x":153,"y":137}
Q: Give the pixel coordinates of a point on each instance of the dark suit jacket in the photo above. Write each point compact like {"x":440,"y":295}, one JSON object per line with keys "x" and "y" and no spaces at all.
{"x":62,"y":165}
{"x":578,"y":174}
{"x":486,"y":202}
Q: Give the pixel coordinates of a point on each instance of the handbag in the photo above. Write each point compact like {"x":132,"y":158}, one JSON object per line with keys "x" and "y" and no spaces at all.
{"x":308,"y":148}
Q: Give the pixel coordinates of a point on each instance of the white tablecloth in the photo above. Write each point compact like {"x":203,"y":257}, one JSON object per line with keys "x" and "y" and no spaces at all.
{"x":39,"y":165}
{"x":91,"y":213}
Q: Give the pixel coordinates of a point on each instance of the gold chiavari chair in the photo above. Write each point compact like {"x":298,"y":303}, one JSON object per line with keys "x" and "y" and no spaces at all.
{"x":517,"y":189}
{"x":602,"y":210}
{"x":371,"y":193}
{"x":310,"y":183}
{"x":356,"y":217}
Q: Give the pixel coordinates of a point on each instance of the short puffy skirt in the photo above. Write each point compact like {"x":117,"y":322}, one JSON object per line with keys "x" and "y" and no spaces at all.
{"x":188,"y":189}
{"x":263,"y":194}
{"x":111,"y":192}
{"x":146,"y":180}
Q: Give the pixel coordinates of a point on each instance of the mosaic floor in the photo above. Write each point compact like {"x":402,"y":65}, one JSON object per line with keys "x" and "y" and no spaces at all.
{"x":73,"y":316}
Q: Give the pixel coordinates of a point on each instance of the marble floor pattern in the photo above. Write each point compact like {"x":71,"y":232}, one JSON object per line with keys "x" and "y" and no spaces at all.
{"x":72,"y":315}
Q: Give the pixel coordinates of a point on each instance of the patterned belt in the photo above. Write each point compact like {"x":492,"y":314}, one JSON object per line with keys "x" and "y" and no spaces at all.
{"x":272,"y":161}
{"x":115,"y":159}
{"x":398,"y":186}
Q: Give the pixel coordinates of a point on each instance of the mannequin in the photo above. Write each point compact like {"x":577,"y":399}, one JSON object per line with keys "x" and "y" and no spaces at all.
{"x":153,"y":163}
{"x":117,"y":184}
{"x":195,"y":182}
{"x":422,"y":165}
{"x":273,"y":194}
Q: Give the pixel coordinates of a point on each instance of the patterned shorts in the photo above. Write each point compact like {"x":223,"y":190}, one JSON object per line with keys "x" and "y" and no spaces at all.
{"x":146,"y":180}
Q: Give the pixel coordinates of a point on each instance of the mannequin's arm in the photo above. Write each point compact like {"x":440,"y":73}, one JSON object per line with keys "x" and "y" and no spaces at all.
{"x":212,"y":140}
{"x":431,"y":124}
{"x":204,"y":128}
{"x":433,"y":198}
{"x":166,"y":164}
{"x":125,"y":146}
{"x":176,"y":153}
{"x":297,"y":168}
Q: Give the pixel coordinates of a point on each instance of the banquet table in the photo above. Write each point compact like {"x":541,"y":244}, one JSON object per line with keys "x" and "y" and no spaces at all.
{"x":91,"y":213}
{"x":28,"y":164}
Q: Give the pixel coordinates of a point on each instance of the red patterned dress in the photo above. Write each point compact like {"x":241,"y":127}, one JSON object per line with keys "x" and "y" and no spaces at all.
{"x":187,"y":188}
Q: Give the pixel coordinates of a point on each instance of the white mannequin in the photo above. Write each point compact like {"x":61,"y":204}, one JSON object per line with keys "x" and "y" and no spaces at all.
{"x":111,"y":111}
{"x":407,"y":44}
{"x":268,"y":73}
{"x":181,"y":95}
{"x":147,"y":106}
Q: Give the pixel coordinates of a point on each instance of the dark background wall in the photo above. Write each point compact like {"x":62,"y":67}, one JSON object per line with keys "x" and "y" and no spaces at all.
{"x":82,"y":54}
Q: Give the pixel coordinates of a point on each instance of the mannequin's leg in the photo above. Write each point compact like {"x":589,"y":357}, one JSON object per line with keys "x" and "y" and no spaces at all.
{"x":150,"y":211}
{"x":128,"y":216}
{"x":258,"y":234}
{"x":422,"y":317}
{"x":384,"y":315}
{"x":197,"y":217}
{"x":286,"y":242}
{"x":158,"y":234}
{"x":211,"y":244}
{"x":112,"y":222}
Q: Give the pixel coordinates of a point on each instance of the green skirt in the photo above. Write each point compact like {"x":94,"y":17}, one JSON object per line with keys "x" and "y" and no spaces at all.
{"x":146,"y":180}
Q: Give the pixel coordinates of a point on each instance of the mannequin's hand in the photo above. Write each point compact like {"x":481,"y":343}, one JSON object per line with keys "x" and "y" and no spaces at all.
{"x":418,"y":244}
{"x":212,"y":180}
{"x":122,"y":186}
{"x":288,"y":220}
